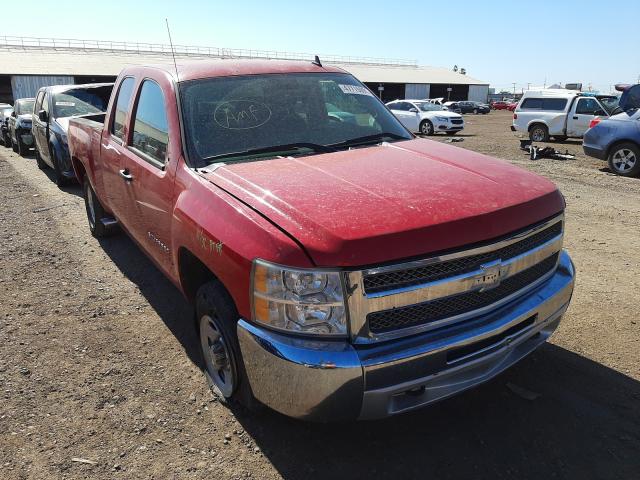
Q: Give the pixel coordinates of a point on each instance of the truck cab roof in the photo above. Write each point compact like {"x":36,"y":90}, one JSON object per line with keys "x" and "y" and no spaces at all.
{"x":198,"y":69}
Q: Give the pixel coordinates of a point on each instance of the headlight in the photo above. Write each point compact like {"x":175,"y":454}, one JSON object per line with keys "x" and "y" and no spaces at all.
{"x":443,"y":119}
{"x":301,"y":301}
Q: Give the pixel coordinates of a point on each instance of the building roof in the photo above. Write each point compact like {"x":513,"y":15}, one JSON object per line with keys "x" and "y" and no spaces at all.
{"x":52,"y":59}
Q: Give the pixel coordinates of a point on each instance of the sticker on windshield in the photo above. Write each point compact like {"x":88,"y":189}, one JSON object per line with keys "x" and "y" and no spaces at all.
{"x":241,"y":114}
{"x":65,"y":104}
{"x":355,"y":89}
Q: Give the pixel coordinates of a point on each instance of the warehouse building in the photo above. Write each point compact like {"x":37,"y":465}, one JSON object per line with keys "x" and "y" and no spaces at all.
{"x":26,"y":64}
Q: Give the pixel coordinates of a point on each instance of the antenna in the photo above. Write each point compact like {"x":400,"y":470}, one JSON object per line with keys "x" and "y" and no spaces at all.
{"x":173,"y":54}
{"x":316,"y":61}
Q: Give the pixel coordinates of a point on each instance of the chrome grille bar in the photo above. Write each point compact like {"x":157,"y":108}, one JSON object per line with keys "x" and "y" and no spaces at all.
{"x":483,"y":277}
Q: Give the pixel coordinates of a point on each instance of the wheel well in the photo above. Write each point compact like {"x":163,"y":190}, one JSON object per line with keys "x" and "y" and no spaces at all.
{"x":78,"y":167}
{"x":537,"y":123}
{"x":619,"y":142}
{"x":193,"y":273}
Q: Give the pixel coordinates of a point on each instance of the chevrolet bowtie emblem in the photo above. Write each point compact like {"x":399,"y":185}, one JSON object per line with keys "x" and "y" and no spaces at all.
{"x":491,"y":275}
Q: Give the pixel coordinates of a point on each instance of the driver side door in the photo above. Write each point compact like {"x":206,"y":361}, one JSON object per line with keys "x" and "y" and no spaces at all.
{"x":402,"y":111}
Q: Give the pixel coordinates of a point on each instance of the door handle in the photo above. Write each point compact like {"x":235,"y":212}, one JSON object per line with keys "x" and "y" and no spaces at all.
{"x":575,"y":118}
{"x":126,"y":175}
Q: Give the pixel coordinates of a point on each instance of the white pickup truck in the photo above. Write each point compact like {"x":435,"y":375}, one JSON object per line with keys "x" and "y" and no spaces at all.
{"x":559,"y":113}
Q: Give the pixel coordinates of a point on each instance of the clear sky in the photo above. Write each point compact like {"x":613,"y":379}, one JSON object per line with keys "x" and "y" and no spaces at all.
{"x":498,"y":41}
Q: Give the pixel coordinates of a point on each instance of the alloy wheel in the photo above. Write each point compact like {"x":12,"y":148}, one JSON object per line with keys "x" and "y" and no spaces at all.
{"x":624,"y":160}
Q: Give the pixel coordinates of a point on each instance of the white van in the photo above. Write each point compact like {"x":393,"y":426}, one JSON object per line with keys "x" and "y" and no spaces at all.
{"x":559,"y":113}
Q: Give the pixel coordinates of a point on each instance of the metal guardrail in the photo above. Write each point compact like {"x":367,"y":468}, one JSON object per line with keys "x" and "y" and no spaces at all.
{"x":143,"y":48}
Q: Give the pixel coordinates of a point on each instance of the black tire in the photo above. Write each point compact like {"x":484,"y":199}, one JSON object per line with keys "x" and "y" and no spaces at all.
{"x":216,"y":318}
{"x":39,"y":162}
{"x":426,"y":128}
{"x":624,"y":159}
{"x":539,"y":133}
{"x":21,"y":148}
{"x":95,"y":211}
{"x":59,"y":178}
{"x":560,"y":138}
{"x":7,"y":140}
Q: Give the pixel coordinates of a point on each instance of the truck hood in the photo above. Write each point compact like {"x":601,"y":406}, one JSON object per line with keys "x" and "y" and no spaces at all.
{"x":393,"y":201}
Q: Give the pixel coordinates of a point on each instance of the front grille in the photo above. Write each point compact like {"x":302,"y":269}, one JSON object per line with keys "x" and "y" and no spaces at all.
{"x":422,"y":313}
{"x":457,"y":121}
{"x":380,"y":282}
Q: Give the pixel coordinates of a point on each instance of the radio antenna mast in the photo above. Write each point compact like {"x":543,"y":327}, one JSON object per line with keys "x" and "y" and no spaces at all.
{"x":173,"y":54}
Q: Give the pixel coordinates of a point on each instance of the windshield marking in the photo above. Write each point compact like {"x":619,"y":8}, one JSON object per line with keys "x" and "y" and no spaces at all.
{"x":241,"y":114}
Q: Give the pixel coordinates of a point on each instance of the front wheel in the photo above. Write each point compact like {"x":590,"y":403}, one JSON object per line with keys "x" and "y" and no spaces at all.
{"x":39,"y":161}
{"x":475,"y":111}
{"x":21,"y":148}
{"x":59,"y":178}
{"x":624,"y":160}
{"x":217,"y":317}
{"x":426,"y":128}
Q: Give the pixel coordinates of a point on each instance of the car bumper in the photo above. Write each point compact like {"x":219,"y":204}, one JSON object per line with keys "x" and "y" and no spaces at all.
{"x":595,"y":151}
{"x":334,"y":380}
{"x":450,"y":128}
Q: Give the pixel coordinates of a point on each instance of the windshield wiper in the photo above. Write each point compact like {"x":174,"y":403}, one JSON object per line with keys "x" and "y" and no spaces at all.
{"x":314,"y":147}
{"x":375,"y":138}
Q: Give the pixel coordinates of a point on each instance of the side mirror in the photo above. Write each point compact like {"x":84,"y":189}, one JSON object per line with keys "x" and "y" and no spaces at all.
{"x":42,"y":116}
{"x":413,"y":110}
{"x":13,"y":114}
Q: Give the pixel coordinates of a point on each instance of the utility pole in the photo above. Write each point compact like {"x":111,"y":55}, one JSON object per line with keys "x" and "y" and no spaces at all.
{"x":528,"y":85}
{"x":514,"y":89}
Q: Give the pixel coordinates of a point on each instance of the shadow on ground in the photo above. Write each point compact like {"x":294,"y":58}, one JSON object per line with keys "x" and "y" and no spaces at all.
{"x":584,"y":423}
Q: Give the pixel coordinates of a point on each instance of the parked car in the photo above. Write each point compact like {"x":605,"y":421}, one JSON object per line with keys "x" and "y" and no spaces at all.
{"x":474,"y":107}
{"x":512,"y":106}
{"x":20,"y":137}
{"x":499,"y":105}
{"x":452,"y":107}
{"x":312,"y":248}
{"x":426,"y":118}
{"x":617,"y":138}
{"x":559,"y":113}
{"x":5,"y":112}
{"x":54,"y":106}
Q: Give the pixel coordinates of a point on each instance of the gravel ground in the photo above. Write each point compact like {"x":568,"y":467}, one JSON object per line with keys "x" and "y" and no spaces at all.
{"x":100,"y":371}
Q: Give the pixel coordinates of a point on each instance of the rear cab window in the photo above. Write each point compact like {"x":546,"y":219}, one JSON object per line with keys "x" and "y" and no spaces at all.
{"x":553,"y":104}
{"x":123,"y":100}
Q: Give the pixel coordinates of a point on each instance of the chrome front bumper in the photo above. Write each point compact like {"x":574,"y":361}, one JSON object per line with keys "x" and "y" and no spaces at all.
{"x":336,"y":380}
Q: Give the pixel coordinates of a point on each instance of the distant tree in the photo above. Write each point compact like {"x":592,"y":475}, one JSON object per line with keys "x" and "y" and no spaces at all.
{"x":455,"y":68}
{"x":463,"y":71}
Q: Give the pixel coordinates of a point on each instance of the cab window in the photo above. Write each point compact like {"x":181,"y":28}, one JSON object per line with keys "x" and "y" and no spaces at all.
{"x":587,"y":106}
{"x":150,"y":131}
{"x":122,"y":106}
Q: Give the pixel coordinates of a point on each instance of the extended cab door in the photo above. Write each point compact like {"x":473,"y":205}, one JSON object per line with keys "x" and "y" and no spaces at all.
{"x":150,"y":166}
{"x":110,"y":182}
{"x":582,"y":112}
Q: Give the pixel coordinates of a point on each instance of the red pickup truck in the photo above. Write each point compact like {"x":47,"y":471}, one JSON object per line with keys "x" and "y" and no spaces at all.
{"x":338,"y":266}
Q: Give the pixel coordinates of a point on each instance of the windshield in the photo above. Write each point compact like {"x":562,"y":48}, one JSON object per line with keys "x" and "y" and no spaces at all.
{"x":6,"y":111}
{"x":303,"y":112}
{"x":81,"y":101}
{"x":609,"y":103}
{"x":24,"y":106}
{"x":428,"y":107}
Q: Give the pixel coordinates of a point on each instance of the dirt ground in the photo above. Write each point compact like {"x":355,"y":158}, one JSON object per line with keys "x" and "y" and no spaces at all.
{"x":100,"y":370}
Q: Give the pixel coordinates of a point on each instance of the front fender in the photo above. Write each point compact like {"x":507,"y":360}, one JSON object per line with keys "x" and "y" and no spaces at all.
{"x":226,"y":236}
{"x":61,"y":152}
